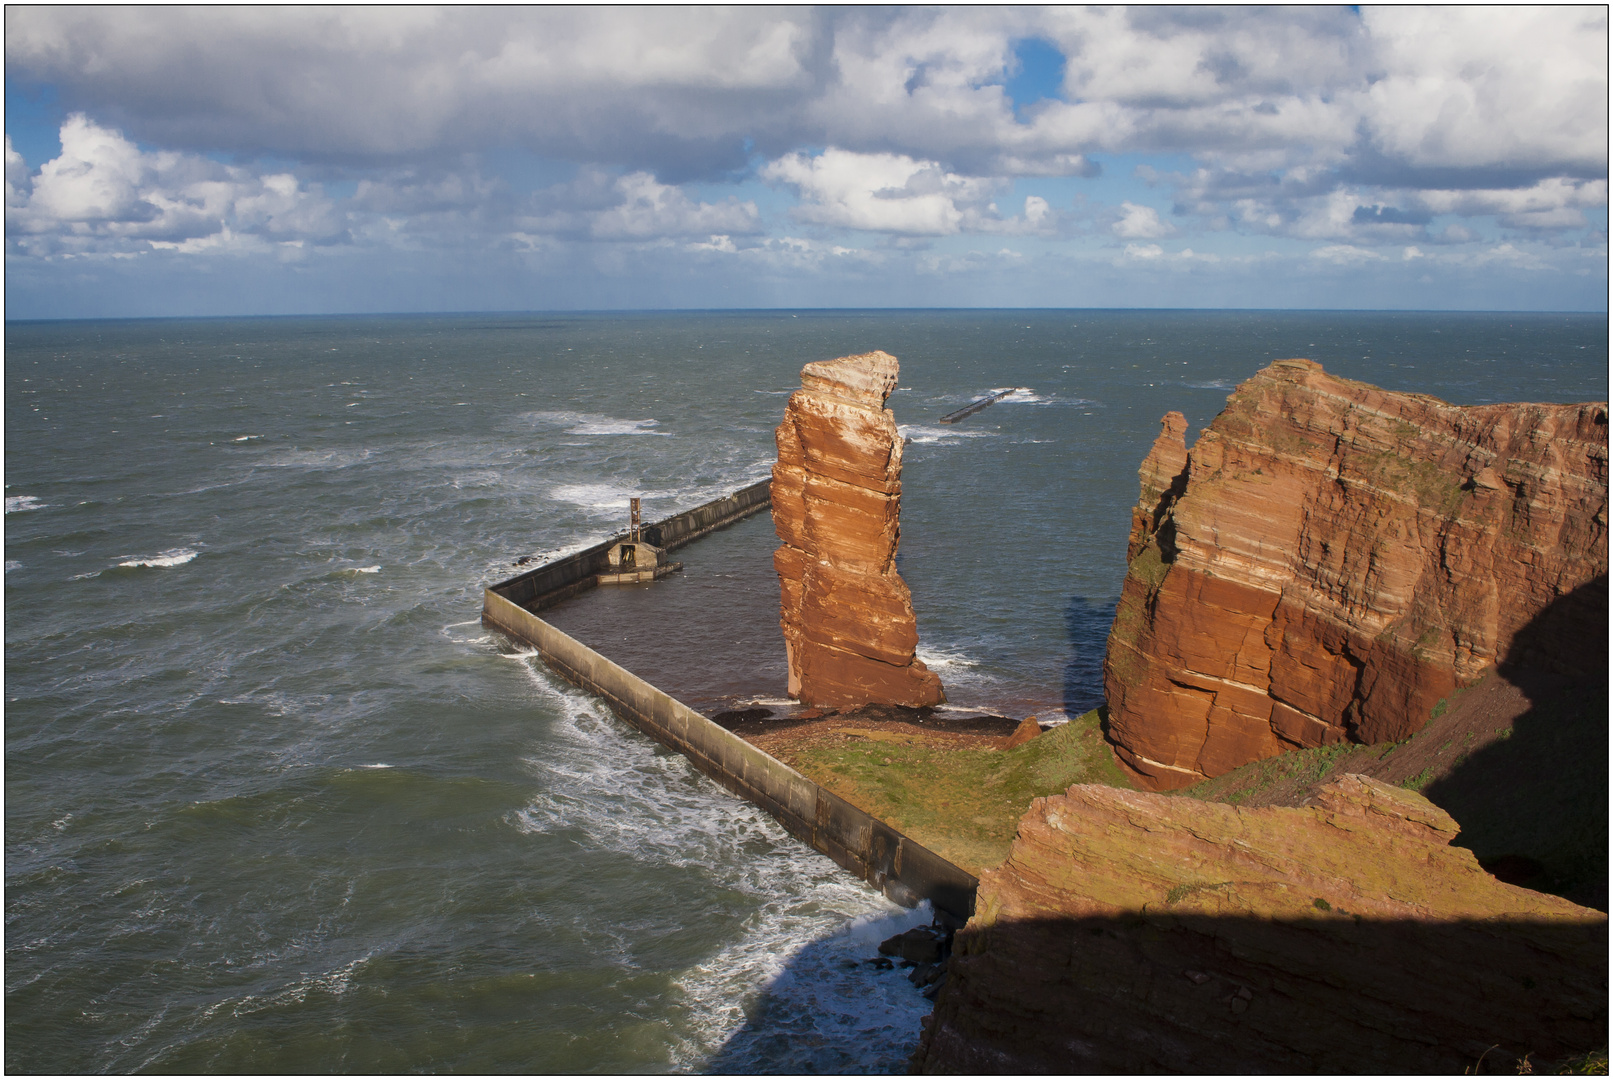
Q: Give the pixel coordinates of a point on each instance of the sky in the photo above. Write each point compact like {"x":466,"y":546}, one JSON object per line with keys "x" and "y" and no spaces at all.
{"x":240,"y":161}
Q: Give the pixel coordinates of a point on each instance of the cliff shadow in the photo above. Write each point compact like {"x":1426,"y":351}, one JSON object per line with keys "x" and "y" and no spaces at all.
{"x":1197,"y":993}
{"x":1086,"y":627}
{"x":836,"y":1007}
{"x":1533,"y":806}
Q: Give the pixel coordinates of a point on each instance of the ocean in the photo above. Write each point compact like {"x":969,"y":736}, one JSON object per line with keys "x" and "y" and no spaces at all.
{"x":276,"y":802}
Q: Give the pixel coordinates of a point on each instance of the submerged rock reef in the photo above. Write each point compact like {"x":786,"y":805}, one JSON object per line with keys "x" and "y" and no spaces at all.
{"x":1131,"y":932}
{"x":846,"y":613}
{"x":1331,"y":560}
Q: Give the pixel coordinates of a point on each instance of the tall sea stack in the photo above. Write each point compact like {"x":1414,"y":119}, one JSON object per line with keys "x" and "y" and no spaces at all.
{"x":847,"y":617}
{"x":1331,"y":560}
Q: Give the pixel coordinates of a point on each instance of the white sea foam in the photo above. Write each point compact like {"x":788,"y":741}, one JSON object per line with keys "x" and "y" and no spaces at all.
{"x":923,"y":433}
{"x":594,"y":496}
{"x":12,"y":564}
{"x":792,"y":993}
{"x":579,"y":423}
{"x":246,"y":438}
{"x":377,"y":765}
{"x":1019,"y":395}
{"x":16,"y":504}
{"x":319,"y":459}
{"x":948,"y":660}
{"x":1211,"y":384}
{"x":82,"y":577}
{"x":171,"y":557}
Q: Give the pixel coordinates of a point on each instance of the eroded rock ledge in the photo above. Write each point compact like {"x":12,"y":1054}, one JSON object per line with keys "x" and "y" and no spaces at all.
{"x":1331,"y":560}
{"x":846,"y":613}
{"x":1131,"y":932}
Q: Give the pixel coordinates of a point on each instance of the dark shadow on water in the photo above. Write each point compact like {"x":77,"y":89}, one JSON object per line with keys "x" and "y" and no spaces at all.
{"x":833,"y":1010}
{"x":1533,"y":806}
{"x":1195,"y":993}
{"x":1086,"y":627}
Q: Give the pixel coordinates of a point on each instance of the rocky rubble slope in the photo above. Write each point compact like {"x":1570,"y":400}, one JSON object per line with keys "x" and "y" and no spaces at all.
{"x":1331,"y":560}
{"x":1131,"y":932}
{"x":847,"y":617}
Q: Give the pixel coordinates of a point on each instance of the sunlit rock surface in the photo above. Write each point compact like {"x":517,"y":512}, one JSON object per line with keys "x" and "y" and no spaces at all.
{"x":847,"y":618}
{"x":1330,"y":560}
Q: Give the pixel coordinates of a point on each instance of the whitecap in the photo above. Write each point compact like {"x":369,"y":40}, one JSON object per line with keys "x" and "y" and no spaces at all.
{"x":944,"y":659}
{"x":12,"y":564}
{"x":171,"y":557}
{"x":16,"y":504}
{"x":923,"y":433}
{"x":1211,"y":384}
{"x":1019,"y":395}
{"x":594,"y":496}
{"x":577,"y":423}
{"x":246,"y":438}
{"x":91,"y":574}
{"x":377,"y":765}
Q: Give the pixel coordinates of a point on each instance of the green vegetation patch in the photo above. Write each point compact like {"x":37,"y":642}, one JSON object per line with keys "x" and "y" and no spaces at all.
{"x":962,"y":803}
{"x":1295,"y":769}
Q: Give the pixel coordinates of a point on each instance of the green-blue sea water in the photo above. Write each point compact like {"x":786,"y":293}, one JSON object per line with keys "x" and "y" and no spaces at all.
{"x":275,"y":800}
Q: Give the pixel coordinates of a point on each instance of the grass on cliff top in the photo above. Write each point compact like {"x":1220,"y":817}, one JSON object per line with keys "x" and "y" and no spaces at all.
{"x":963,"y":804}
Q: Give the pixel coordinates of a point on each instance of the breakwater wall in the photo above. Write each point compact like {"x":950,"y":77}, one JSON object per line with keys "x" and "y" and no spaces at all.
{"x":904,"y":870}
{"x":547,"y":585}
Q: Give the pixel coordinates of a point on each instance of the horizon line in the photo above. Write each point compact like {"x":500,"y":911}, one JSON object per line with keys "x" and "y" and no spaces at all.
{"x":550,"y":312}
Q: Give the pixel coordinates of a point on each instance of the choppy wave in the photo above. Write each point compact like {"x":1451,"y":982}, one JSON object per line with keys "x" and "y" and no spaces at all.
{"x":1019,"y":395}
{"x":924,"y":433}
{"x":792,"y":994}
{"x":950,"y":661}
{"x":171,"y":557}
{"x":593,"y":496}
{"x":246,"y":438}
{"x":16,"y":504}
{"x":319,"y":459}
{"x":580,"y":423}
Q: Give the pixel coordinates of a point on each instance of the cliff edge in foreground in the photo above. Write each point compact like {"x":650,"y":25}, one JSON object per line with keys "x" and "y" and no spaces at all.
{"x":1331,"y":560}
{"x":1131,"y":932}
{"x":846,"y":613}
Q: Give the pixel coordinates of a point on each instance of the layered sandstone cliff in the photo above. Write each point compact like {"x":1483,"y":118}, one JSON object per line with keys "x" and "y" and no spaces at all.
{"x":1130,"y":932}
{"x":847,"y":617}
{"x":1331,"y":560}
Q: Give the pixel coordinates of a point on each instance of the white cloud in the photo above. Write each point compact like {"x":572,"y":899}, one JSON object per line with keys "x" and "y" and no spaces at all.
{"x":879,"y":192}
{"x":650,"y":209}
{"x":103,"y":193}
{"x":1346,"y":255}
{"x":18,"y":183}
{"x":1480,"y":86}
{"x":1140,"y":223}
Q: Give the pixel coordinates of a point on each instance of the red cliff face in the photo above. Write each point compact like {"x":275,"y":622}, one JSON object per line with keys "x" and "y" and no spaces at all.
{"x":1332,"y":559}
{"x":847,"y":618}
{"x":1131,"y":932}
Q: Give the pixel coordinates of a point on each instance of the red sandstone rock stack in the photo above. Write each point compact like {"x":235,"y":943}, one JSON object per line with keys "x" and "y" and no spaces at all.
{"x":1332,"y":559}
{"x":1130,"y":932}
{"x":847,"y":617}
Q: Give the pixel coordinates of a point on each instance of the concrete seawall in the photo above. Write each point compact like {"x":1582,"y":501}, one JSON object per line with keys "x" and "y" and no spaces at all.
{"x":905,"y":871}
{"x":551,"y":583}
